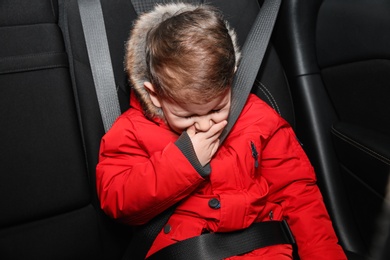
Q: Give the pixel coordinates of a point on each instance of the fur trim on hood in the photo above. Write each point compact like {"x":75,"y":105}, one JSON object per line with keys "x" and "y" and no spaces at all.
{"x":135,"y":63}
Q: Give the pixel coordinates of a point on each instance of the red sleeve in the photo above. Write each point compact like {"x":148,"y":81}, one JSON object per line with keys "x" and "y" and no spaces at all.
{"x":293,"y":185}
{"x":134,"y":186}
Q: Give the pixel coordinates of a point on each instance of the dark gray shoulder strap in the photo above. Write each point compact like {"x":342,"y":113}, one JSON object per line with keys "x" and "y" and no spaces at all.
{"x":252,"y":56}
{"x":99,"y":56}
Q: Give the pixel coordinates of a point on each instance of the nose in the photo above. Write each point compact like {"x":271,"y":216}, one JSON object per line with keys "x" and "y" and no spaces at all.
{"x":203,"y":124}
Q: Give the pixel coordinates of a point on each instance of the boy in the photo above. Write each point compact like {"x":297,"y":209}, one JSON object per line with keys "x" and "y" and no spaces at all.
{"x":182,"y":59}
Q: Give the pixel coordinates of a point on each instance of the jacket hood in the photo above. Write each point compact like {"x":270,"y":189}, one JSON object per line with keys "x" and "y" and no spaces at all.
{"x":135,"y":63}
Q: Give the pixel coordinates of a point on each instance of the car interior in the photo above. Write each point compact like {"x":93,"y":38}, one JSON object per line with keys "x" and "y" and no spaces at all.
{"x":326,"y":71}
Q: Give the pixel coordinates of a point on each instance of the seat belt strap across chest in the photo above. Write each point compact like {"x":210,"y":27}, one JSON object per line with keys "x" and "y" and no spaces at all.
{"x":253,"y":53}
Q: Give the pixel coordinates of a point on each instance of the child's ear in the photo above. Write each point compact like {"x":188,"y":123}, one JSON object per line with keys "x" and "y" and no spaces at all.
{"x":153,"y":96}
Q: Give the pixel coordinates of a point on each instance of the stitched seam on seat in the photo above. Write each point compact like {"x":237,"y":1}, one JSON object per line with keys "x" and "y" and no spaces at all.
{"x":31,"y":65}
{"x":361,"y":147}
{"x":269,"y":99}
{"x":269,"y":96}
{"x":30,"y":55}
{"x":33,"y":68}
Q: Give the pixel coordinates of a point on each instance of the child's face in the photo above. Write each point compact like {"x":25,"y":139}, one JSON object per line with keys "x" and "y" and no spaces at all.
{"x":182,"y":116}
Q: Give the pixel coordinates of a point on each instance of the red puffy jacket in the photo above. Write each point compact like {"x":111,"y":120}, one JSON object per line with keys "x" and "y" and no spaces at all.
{"x":258,"y":174}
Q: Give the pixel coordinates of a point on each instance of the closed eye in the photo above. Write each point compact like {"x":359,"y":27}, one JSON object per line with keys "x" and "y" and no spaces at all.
{"x":211,"y":112}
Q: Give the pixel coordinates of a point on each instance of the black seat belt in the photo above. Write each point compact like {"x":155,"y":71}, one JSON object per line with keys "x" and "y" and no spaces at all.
{"x":252,"y":55}
{"x":223,"y":245}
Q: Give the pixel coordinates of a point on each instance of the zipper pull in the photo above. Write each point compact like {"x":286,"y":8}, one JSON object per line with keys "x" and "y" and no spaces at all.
{"x":255,"y":154}
{"x":271,"y":215}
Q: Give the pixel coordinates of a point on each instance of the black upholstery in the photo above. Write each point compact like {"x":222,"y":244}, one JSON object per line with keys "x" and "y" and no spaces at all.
{"x":336,"y":58}
{"x":51,"y":125}
{"x":45,"y":193}
{"x":314,"y":113}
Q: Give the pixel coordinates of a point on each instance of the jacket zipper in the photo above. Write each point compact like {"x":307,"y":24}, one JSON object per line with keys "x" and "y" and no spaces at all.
{"x":255,"y":154}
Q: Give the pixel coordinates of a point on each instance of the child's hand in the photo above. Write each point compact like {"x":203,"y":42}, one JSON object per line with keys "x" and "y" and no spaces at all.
{"x":206,"y":143}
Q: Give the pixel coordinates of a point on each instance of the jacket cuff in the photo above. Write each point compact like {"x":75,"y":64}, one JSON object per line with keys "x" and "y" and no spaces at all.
{"x":185,"y":145}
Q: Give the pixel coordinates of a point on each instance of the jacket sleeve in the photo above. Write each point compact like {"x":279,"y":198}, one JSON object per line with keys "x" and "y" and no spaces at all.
{"x":134,"y":186}
{"x":292,"y":183}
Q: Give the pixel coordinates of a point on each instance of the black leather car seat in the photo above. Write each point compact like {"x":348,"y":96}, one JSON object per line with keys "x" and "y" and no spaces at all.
{"x":335,"y":54}
{"x":46,"y":209}
{"x":51,"y":126}
{"x":48,"y":204}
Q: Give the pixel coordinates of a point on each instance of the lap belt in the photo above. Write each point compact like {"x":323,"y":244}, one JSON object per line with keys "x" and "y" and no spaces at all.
{"x":223,"y":245}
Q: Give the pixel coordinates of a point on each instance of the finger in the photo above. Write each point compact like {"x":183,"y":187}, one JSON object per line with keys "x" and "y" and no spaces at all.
{"x":221,"y":125}
{"x":216,"y":130}
{"x":191,"y":131}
